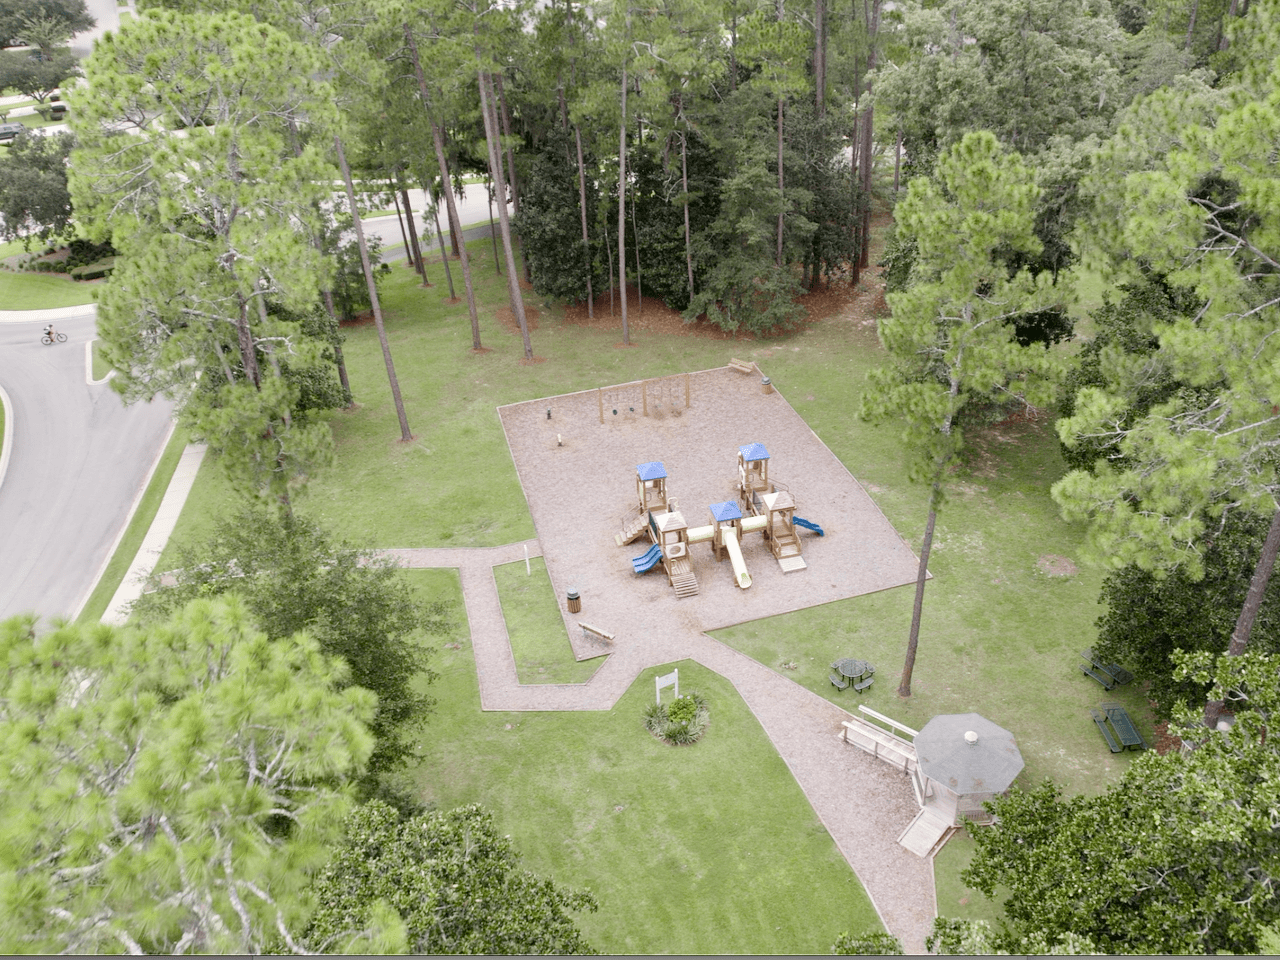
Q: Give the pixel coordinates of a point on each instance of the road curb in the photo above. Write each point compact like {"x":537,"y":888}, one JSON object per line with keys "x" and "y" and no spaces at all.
{"x":7,"y":446}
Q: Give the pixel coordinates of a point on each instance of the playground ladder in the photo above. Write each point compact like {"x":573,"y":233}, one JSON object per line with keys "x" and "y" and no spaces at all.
{"x":633,"y":528}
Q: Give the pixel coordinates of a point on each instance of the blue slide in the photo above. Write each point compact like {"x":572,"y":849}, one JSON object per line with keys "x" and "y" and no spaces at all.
{"x":649,"y":560}
{"x":809,"y":525}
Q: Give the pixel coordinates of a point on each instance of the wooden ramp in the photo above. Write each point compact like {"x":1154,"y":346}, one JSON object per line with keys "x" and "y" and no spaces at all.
{"x":683,"y":578}
{"x":926,"y":833}
{"x":788,"y":564}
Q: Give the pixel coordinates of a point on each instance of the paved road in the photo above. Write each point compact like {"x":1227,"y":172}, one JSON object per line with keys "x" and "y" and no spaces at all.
{"x":78,"y":459}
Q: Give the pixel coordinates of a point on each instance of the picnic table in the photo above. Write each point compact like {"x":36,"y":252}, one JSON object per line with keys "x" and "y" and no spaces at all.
{"x":851,"y":669}
{"x":1110,"y":671}
{"x":1128,"y":734}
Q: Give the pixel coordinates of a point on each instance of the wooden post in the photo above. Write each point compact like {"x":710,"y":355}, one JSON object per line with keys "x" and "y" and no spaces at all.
{"x":600,"y":398}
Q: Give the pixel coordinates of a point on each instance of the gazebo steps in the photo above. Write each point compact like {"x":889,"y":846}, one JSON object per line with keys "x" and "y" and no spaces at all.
{"x":789,"y":564}
{"x":927,"y":833}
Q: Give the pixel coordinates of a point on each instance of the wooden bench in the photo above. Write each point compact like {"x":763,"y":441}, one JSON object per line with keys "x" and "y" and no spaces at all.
{"x":1101,"y":721}
{"x":879,"y":743}
{"x":839,"y":682}
{"x":594,"y":633}
{"x":742,"y":366}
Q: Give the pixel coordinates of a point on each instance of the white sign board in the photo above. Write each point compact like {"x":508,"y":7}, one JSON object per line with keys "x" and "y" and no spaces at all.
{"x":672,"y":679}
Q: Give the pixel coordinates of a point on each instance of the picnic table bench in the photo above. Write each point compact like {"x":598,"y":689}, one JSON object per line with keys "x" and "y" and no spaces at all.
{"x":1129,"y":736}
{"x":840,"y":682}
{"x":1101,"y":721}
{"x":1117,"y":673}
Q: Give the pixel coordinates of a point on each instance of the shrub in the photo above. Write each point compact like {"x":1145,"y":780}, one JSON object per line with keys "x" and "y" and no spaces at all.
{"x":664,"y":721}
{"x":60,"y":267}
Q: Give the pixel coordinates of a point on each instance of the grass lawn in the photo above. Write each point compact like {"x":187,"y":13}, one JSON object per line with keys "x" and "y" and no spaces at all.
{"x":20,"y":290}
{"x":136,"y":532}
{"x":100,"y":366}
{"x":529,"y":606}
{"x":1001,"y":633}
{"x":698,"y":850}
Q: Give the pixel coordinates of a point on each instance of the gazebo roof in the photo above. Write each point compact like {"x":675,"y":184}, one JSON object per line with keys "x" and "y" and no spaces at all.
{"x":753,"y":451}
{"x":728,"y":510}
{"x":654,"y":470}
{"x":986,"y":765}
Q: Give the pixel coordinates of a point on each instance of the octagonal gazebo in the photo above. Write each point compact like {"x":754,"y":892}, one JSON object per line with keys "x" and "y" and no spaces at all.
{"x":964,"y":760}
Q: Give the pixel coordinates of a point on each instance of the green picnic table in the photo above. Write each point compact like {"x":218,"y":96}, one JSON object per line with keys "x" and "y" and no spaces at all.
{"x":1127,"y":733}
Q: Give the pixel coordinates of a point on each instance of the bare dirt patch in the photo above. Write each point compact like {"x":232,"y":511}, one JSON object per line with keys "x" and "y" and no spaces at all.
{"x":1054,"y":566}
{"x":508,"y":319}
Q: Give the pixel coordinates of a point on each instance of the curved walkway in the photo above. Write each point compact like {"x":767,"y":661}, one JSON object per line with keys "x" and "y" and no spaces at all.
{"x":862,"y":802}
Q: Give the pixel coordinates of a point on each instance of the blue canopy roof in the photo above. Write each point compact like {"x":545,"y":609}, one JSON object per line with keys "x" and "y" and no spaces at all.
{"x":754,"y":451}
{"x":726,"y":511}
{"x":653,"y":470}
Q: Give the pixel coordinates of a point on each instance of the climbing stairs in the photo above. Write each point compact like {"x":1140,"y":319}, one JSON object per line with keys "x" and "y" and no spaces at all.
{"x":631,"y":529}
{"x":682,"y":578}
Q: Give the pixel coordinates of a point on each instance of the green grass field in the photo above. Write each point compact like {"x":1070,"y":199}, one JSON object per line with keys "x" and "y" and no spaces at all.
{"x":541,"y":649}
{"x":696,"y":850}
{"x":1001,"y":632}
{"x":20,"y":290}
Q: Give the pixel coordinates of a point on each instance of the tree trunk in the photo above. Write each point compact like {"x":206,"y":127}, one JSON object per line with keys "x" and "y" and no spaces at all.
{"x":635,"y":231}
{"x":873,"y":29}
{"x":495,"y":164}
{"x":622,"y":208}
{"x":413,"y":236}
{"x":582,"y":207}
{"x":444,"y":256}
{"x":511,"y":168}
{"x":608,"y":249}
{"x":404,"y":237}
{"x":733,"y":55}
{"x":688,"y":235}
{"x":405,"y":435}
{"x":782,"y":196}
{"x":1249,"y":612}
{"x":325,"y":295}
{"x":917,"y":609}
{"x":820,"y":56}
{"x":1191,"y":25}
{"x":897,"y":162}
{"x":248,"y":349}
{"x":455,"y":224}
{"x":489,"y":188}
{"x":1223,"y":42}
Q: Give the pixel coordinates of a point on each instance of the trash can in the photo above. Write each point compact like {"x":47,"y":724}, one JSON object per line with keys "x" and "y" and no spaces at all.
{"x":766,"y":386}
{"x":575,"y":602}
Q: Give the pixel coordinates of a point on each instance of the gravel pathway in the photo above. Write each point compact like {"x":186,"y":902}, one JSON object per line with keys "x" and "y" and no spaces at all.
{"x":579,"y":478}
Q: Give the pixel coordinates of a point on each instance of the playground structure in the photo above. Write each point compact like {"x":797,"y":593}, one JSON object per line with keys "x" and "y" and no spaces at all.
{"x":660,"y":518}
{"x":762,"y":499}
{"x":769,"y":511}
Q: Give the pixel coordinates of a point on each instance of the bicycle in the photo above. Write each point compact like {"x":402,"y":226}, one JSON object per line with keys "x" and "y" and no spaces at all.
{"x":60,"y":338}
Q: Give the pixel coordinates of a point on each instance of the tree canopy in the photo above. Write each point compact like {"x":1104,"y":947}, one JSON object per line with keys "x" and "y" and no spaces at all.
{"x":451,"y":880}
{"x":171,"y":788}
{"x":34,"y":200}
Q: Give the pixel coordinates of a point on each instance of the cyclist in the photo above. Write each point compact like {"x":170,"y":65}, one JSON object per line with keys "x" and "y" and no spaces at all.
{"x":48,"y":332}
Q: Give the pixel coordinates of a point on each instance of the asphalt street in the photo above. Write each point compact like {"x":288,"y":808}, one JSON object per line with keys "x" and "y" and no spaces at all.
{"x":78,"y":458}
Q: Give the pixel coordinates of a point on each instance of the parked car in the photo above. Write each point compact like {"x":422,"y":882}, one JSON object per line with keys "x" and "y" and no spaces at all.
{"x":10,"y":130}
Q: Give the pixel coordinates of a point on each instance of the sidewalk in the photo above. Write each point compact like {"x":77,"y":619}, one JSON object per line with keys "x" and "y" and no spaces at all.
{"x":184,"y":477}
